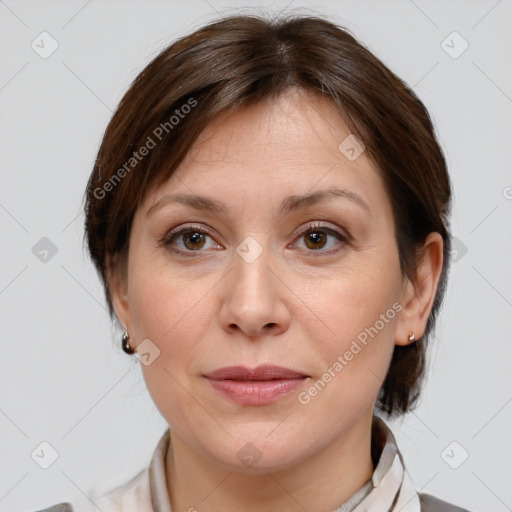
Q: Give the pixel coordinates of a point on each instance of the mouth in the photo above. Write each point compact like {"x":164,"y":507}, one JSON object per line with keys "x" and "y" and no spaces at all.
{"x":258,"y":386}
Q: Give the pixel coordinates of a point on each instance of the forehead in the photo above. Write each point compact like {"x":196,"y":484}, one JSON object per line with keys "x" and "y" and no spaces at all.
{"x":296,"y":125}
{"x":282,"y":146}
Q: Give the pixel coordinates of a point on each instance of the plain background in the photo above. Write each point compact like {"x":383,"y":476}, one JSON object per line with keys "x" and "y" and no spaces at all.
{"x":63,"y":376}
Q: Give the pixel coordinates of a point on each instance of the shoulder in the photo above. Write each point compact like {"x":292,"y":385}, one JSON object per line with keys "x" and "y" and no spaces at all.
{"x":430,"y":503}
{"x":136,"y":493}
{"x":59,"y":507}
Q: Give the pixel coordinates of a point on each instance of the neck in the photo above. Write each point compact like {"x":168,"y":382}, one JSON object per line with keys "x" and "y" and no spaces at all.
{"x":321,"y":482}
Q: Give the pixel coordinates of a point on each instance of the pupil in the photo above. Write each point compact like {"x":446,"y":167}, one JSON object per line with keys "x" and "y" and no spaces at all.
{"x":194,"y":238}
{"x":315,"y":237}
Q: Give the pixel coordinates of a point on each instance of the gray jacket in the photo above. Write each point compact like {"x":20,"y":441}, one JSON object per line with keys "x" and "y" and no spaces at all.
{"x":428,"y":504}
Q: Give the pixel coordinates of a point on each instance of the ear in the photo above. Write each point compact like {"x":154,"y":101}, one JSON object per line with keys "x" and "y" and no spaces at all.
{"x":418,"y":295}
{"x":117,"y":277}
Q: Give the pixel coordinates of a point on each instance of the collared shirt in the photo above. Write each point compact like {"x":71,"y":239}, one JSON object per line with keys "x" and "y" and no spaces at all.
{"x":388,"y":490}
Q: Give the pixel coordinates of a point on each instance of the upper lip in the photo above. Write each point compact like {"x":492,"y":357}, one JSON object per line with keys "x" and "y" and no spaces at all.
{"x":263,"y":372}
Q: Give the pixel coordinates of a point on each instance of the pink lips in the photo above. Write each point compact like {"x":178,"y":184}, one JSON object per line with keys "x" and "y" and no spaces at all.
{"x":259,"y":386}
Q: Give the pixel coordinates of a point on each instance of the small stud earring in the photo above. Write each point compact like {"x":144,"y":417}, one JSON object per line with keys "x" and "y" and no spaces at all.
{"x":125,"y":344}
{"x":412,"y":337}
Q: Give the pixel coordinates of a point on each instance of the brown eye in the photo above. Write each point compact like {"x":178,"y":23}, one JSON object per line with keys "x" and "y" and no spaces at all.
{"x":317,"y":237}
{"x":193,"y":239}
{"x":189,"y":239}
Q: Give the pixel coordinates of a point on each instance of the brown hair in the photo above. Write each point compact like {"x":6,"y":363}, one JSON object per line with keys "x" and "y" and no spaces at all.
{"x":239,"y":61}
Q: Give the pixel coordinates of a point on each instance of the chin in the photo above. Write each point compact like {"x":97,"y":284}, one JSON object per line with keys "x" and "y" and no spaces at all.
{"x":258,"y":454}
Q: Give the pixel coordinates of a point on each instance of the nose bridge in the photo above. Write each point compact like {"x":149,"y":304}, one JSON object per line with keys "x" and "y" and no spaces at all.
{"x":251,"y":272}
{"x":251,"y":298}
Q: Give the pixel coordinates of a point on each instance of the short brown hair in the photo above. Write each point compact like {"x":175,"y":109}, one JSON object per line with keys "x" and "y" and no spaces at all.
{"x":241,"y":60}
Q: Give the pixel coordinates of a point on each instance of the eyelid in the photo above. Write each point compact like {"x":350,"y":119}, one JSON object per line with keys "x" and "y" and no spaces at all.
{"x":169,"y":235}
{"x":322,"y":225}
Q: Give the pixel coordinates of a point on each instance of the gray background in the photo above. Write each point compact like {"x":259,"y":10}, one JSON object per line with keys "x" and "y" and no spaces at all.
{"x":63,"y":377}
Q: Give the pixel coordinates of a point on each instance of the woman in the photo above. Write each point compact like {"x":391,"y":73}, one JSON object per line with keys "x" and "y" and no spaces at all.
{"x":268,"y":214}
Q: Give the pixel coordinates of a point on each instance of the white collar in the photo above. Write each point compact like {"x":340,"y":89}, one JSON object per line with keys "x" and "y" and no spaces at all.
{"x":389,"y":489}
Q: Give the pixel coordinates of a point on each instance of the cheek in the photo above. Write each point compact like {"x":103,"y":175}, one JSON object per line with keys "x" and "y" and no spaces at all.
{"x":170,"y":309}
{"x":164,"y":306}
{"x":173,"y":313}
{"x":352,"y":354}
{"x":354,"y":316}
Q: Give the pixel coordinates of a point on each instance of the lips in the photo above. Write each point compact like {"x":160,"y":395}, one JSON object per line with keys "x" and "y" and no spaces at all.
{"x":258,"y":386}
{"x":264,"y":372}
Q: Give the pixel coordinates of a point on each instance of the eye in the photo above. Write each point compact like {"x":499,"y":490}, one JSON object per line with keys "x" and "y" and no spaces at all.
{"x":193,"y":238}
{"x":316,"y":237}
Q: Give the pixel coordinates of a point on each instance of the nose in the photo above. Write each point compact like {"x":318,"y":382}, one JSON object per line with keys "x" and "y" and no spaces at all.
{"x":254,"y":298}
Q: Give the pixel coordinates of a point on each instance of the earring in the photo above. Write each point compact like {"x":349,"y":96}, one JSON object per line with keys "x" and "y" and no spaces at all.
{"x":125,"y":344}
{"x":412,"y":337}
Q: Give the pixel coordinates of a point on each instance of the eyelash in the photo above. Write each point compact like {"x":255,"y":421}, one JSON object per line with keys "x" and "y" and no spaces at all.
{"x":169,"y":237}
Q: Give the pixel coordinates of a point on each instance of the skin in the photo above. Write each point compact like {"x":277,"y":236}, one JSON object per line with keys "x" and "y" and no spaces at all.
{"x":294,"y":306}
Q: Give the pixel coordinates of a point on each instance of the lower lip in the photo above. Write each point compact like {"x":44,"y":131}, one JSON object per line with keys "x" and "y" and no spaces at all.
{"x":257,"y":392}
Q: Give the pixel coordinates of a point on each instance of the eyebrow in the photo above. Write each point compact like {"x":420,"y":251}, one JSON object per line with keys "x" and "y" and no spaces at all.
{"x":290,"y":203}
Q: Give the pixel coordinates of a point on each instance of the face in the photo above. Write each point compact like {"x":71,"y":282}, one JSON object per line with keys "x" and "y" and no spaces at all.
{"x":266,"y":278}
